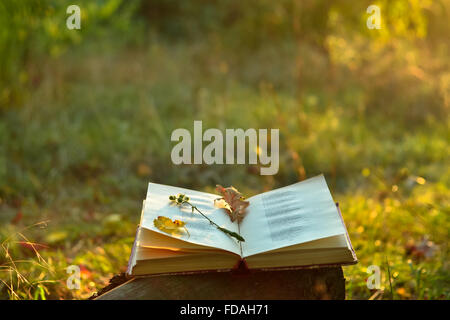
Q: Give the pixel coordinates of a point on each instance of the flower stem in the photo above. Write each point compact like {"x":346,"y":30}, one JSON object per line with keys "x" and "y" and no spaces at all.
{"x":230,"y":233}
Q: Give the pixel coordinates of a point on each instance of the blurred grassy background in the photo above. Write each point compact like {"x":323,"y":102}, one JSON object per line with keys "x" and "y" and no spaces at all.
{"x":86,"y":118}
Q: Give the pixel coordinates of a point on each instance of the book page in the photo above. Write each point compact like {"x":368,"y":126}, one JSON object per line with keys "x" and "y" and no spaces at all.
{"x":295,"y":214}
{"x":201,"y":232}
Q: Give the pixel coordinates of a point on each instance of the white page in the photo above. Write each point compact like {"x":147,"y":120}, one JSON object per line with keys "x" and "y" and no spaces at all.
{"x":295,"y":214}
{"x":200,"y":230}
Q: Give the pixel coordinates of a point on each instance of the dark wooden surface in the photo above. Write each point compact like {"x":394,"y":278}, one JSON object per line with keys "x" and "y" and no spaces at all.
{"x":316,"y":283}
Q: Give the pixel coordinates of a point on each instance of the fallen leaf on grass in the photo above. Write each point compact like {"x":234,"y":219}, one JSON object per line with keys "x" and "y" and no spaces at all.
{"x":420,"y":250}
{"x":402,"y":292}
{"x":17,"y":218}
{"x":143,"y":170}
{"x":32,"y":246}
{"x":85,"y":272}
{"x":56,"y":237}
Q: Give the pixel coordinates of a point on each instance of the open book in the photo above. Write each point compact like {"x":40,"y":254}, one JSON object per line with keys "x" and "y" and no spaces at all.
{"x":294,"y":226}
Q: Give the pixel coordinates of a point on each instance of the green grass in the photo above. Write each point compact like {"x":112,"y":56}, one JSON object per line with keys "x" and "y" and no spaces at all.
{"x":95,"y":128}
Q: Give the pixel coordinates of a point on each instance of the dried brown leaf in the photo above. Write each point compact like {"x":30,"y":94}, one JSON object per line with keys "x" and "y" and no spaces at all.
{"x":233,"y":202}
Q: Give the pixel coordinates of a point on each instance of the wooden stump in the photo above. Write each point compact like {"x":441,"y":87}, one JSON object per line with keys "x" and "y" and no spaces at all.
{"x":315,"y":283}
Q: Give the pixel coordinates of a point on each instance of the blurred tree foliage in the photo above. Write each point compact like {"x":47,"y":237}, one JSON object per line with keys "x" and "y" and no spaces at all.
{"x":33,"y":29}
{"x":36,"y":28}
